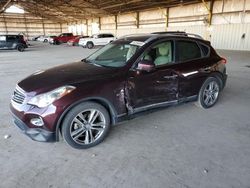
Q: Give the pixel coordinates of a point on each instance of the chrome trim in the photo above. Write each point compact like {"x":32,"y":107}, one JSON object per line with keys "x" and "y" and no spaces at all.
{"x":18,"y":95}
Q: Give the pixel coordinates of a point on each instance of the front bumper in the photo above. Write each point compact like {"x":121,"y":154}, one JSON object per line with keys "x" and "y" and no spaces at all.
{"x":83,"y":44}
{"x":36,"y":134}
{"x":23,"y":115}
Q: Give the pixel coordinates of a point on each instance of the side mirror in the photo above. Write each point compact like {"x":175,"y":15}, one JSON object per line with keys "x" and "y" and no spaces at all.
{"x":146,"y":65}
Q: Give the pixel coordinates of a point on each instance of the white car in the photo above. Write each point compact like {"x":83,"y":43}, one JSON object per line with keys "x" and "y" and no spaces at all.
{"x":41,"y":38}
{"x":45,"y":38}
{"x":96,"y":40}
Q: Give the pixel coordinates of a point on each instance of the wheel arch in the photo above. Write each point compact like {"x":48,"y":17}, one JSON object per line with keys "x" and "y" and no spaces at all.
{"x":89,"y":41}
{"x":99,"y":100}
{"x":219,"y":76}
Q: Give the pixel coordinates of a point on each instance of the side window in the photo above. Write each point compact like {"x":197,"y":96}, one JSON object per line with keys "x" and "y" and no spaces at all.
{"x":108,"y":35}
{"x":3,"y":38}
{"x":187,"y":50}
{"x":11,"y":38}
{"x":205,"y":50}
{"x":160,"y":54}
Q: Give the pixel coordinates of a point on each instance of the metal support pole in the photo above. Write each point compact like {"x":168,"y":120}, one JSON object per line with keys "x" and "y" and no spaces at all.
{"x":100,"y":24}
{"x":116,"y":25}
{"x":87,"y":27}
{"x":210,"y":11}
{"x":137,"y":19}
{"x":61,"y":27}
{"x":5,"y":25}
{"x":167,"y":18}
{"x":26,"y":28}
{"x":43,"y":27}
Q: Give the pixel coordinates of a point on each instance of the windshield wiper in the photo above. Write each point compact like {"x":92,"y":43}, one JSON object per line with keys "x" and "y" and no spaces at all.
{"x":86,"y":61}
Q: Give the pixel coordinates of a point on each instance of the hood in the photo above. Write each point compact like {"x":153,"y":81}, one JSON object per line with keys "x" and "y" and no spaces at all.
{"x":67,"y":74}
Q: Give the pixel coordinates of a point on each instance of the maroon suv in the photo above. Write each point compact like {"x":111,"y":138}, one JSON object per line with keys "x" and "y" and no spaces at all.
{"x":130,"y":75}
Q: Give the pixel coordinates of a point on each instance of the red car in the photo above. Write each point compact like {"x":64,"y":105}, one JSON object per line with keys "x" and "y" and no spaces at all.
{"x":74,"y":41}
{"x":63,"y":38}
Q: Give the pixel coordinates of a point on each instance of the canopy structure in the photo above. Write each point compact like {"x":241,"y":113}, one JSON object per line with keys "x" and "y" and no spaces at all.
{"x":74,"y":10}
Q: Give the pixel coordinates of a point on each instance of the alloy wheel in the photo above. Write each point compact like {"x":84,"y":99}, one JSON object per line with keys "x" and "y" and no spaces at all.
{"x":87,"y":126}
{"x":211,"y":93}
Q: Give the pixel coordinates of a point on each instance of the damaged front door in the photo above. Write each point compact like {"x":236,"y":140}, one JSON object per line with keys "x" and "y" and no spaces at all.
{"x":159,"y":87}
{"x":147,"y":90}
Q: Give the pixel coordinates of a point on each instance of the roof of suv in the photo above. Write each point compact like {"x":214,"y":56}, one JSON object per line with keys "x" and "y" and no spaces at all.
{"x":158,"y":35}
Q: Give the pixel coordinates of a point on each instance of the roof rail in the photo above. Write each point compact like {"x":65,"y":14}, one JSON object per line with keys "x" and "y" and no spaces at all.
{"x":170,"y":32}
{"x":182,"y":33}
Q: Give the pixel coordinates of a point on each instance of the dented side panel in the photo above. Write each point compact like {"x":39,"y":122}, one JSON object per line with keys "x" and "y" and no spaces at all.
{"x":146,"y":88}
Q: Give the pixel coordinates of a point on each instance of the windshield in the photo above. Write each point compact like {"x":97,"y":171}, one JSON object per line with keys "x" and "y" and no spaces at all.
{"x":114,"y":54}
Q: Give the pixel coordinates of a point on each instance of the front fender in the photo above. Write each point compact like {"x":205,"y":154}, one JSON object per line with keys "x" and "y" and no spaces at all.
{"x":104,"y":102}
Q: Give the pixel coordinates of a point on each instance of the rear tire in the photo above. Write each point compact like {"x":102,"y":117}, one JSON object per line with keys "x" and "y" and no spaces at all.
{"x":209,"y":93}
{"x":86,"y":125}
{"x":20,"y":48}
{"x":90,"y":45}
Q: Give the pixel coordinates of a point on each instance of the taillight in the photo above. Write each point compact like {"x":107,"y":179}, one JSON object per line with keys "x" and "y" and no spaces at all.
{"x":224,"y":60}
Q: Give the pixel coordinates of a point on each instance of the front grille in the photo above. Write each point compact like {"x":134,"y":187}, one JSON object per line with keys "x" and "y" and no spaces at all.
{"x":18,"y":96}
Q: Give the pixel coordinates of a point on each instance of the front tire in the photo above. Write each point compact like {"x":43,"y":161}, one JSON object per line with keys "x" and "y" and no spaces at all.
{"x":90,"y":45}
{"x":86,"y":125}
{"x":209,"y":93}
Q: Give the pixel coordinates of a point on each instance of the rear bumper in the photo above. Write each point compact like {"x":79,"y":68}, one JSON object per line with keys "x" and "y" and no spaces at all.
{"x":36,"y":134}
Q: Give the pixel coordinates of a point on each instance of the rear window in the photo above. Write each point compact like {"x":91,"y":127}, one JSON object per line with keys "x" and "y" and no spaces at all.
{"x":205,"y":50}
{"x":187,"y":50}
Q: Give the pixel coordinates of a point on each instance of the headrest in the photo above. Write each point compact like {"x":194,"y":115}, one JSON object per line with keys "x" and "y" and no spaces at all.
{"x":164,"y":49}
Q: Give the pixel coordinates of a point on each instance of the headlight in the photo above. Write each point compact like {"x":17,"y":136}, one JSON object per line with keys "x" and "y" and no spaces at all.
{"x":48,"y":98}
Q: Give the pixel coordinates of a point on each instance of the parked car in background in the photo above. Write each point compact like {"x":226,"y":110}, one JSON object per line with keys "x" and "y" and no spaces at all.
{"x":128,"y":76}
{"x":13,"y":42}
{"x":62,"y":38}
{"x":96,"y":40}
{"x":75,"y":41}
{"x":35,"y":38}
{"x":48,"y":38}
{"x":41,"y":38}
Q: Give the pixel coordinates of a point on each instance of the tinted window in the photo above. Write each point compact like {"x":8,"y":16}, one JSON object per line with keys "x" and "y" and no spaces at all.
{"x":204,"y":49}
{"x":11,"y":38}
{"x":107,"y":35}
{"x":187,"y":50}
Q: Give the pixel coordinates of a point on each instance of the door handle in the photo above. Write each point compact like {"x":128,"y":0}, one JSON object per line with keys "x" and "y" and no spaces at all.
{"x":171,"y":77}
